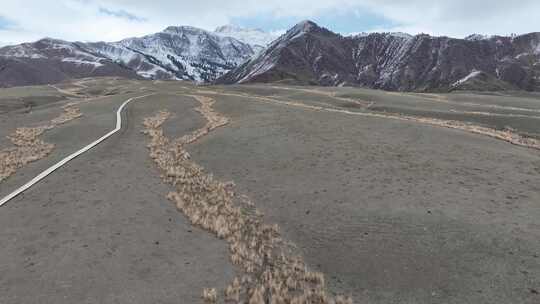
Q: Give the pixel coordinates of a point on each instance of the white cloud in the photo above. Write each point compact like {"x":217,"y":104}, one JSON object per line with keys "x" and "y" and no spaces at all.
{"x":459,"y":18}
{"x":117,"y":19}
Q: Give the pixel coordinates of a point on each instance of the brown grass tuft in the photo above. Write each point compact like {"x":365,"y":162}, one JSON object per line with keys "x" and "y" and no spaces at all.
{"x":233,"y":291}
{"x":209,"y":295}
{"x":271,"y":273}
{"x":70,"y":113}
{"x":28,"y":147}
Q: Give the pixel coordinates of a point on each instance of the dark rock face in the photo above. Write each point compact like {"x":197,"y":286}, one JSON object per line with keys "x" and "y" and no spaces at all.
{"x":306,"y":53}
{"x":309,"y":54}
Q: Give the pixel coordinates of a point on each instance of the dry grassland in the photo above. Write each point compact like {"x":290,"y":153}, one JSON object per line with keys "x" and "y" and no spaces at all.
{"x":507,"y":135}
{"x":269,"y":271}
{"x":28,"y":147}
{"x":431,"y":97}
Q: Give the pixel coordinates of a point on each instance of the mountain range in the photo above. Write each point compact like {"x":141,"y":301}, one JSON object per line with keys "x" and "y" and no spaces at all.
{"x":310,"y":54}
{"x":177,"y":52}
{"x":305,"y":54}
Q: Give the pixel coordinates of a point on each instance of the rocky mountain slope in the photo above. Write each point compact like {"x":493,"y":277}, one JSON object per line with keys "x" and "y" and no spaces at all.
{"x":50,"y":61}
{"x":257,"y":38}
{"x":184,"y":53}
{"x":306,"y":54}
{"x":309,"y":54}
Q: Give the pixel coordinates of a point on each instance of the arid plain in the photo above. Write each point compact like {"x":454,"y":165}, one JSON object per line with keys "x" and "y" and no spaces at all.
{"x":378,"y":197}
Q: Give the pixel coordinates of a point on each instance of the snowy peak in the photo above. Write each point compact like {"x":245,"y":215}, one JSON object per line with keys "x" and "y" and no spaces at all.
{"x":477,"y":37}
{"x":180,"y":52}
{"x":306,"y":27}
{"x":180,"y":30}
{"x":177,"y":52}
{"x":401,"y":35}
{"x":299,"y":30}
{"x":303,"y":27}
{"x":305,"y":54}
{"x":254,"y":37}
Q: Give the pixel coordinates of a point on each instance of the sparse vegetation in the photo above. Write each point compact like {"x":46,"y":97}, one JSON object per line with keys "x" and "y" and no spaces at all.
{"x":507,"y":135}
{"x":28,"y":147}
{"x":70,"y":113}
{"x":210,"y":295}
{"x":270,"y":271}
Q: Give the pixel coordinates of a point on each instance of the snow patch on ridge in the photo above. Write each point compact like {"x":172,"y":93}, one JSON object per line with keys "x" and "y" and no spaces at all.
{"x":477,"y":37}
{"x":22,"y":51}
{"x":473,"y":74}
{"x":261,"y":68}
{"x":392,"y":34}
{"x":82,"y":62}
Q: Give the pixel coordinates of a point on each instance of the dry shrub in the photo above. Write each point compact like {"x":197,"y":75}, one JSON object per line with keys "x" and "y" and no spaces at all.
{"x":209,"y":295}
{"x":70,"y":113}
{"x":232,"y":292}
{"x":271,"y":272}
{"x":28,"y":147}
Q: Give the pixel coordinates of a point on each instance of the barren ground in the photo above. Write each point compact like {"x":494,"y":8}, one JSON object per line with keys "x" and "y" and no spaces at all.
{"x":389,"y":210}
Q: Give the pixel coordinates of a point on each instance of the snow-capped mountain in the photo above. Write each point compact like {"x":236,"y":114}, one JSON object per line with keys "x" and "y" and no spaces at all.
{"x":177,"y":52}
{"x":257,"y":38}
{"x":309,"y":54}
{"x":180,"y":52}
{"x":51,"y":60}
{"x":306,"y":54}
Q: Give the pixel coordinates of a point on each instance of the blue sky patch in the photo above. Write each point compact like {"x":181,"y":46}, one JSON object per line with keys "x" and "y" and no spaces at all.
{"x":6,"y":24}
{"x":352,"y":21}
{"x":121,"y":14}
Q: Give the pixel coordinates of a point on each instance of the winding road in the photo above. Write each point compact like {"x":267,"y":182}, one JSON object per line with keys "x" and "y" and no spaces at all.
{"x":68,"y":158}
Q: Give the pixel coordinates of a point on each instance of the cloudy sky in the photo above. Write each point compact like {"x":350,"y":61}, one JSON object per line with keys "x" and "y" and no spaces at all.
{"x":90,"y":20}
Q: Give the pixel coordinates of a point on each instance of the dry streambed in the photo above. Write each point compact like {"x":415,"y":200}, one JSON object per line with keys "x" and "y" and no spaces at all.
{"x":268,"y":269}
{"x":27,"y":145}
